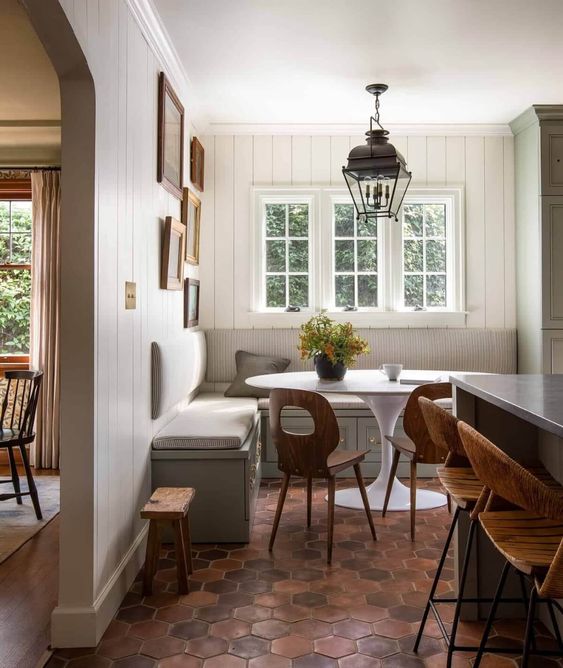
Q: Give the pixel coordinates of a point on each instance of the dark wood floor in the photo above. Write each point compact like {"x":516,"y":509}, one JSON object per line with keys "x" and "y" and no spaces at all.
{"x":28,"y":594}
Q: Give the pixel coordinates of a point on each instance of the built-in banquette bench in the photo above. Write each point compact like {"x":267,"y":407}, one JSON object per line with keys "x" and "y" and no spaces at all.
{"x":221,"y":446}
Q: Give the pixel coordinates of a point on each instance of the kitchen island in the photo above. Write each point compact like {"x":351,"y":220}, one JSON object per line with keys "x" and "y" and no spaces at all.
{"x":522,"y":415}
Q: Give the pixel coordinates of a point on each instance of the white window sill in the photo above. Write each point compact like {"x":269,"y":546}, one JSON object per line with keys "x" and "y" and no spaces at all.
{"x":376,"y":319}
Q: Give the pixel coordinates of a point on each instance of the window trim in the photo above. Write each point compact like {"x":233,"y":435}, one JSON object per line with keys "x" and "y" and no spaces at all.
{"x":15,"y":190}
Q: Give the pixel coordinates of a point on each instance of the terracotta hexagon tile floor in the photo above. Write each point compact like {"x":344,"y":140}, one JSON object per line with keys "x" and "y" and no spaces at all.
{"x":248,"y":608}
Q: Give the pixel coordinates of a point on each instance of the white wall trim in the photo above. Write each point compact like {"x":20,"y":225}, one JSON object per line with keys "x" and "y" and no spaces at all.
{"x":161,"y":44}
{"x":84,"y":626}
{"x":426,"y":130}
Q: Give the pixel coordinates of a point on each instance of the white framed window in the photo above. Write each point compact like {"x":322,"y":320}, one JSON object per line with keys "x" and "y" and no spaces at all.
{"x":311,"y":253}
{"x":428,"y":249}
{"x":284,"y":250}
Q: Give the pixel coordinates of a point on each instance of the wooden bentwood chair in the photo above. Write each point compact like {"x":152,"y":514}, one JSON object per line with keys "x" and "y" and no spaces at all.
{"x":529,"y":535}
{"x":312,"y":455}
{"x":417,"y":445}
{"x":17,"y":421}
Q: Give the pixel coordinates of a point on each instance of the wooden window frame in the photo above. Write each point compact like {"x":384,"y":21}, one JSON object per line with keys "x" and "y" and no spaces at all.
{"x":14,"y":190}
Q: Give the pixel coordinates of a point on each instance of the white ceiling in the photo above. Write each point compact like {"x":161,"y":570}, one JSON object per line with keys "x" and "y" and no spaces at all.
{"x":307,"y":61}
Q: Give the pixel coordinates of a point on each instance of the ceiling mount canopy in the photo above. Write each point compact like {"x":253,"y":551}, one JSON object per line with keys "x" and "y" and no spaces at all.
{"x":376,"y":175}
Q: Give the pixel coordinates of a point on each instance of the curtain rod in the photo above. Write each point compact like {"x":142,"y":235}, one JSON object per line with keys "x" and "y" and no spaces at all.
{"x":21,"y":168}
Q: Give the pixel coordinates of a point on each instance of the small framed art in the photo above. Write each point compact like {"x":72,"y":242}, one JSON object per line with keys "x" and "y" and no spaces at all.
{"x":173,"y":244}
{"x":170,"y":163}
{"x":191,"y":215}
{"x":196,"y":164}
{"x":191,"y":302}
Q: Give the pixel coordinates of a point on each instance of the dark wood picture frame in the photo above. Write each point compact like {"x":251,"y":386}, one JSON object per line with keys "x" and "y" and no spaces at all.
{"x":197,"y":161}
{"x":171,"y":178}
{"x":173,"y":250}
{"x":191,"y":218}
{"x":191,"y":310}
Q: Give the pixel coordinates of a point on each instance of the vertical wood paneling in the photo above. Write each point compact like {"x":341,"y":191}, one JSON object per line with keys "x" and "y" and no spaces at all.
{"x":455,"y":160}
{"x":494,"y":232}
{"x":475,"y":231}
{"x":320,"y":160}
{"x":436,"y":161}
{"x":339,"y":149}
{"x":243,"y":236}
{"x":509,"y":234}
{"x":401,"y":143}
{"x":207,"y":238}
{"x":225,"y":283}
{"x":417,"y":160}
{"x":281,"y":153}
{"x":263,"y":160}
{"x":301,"y":160}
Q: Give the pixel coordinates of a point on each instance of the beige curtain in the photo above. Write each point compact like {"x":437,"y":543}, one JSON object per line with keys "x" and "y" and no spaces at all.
{"x":45,"y":314}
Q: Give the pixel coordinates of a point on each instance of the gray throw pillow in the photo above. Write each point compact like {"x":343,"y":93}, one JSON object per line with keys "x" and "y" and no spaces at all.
{"x":253,"y":365}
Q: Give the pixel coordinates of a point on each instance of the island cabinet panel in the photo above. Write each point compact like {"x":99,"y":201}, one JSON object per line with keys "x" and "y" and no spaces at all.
{"x":552,"y":159}
{"x":552,"y":266}
{"x":553,"y":351}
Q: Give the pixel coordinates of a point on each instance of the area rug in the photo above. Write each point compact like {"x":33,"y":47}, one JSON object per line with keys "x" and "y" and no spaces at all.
{"x":18,"y":523}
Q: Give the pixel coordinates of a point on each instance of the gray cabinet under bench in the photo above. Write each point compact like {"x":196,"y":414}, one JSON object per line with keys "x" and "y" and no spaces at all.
{"x":226,"y":483}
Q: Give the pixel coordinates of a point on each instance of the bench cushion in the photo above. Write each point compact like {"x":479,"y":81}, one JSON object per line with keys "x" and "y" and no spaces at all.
{"x":211,"y":421}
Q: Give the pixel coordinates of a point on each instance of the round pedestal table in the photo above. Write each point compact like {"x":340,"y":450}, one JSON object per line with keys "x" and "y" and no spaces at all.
{"x":386,"y":399}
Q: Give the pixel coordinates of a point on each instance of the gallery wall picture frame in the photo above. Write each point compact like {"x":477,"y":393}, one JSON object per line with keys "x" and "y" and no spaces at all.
{"x":197,"y":159}
{"x":173,"y":249}
{"x":170,"y":159}
{"x":191,"y":302}
{"x":191,"y":218}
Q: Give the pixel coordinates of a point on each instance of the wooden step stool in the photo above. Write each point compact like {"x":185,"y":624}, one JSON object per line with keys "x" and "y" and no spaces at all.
{"x":169,"y":504}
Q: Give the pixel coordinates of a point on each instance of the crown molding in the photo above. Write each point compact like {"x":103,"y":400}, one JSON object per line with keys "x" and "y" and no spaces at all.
{"x":537,"y":114}
{"x":159,"y":41}
{"x":423,"y":129}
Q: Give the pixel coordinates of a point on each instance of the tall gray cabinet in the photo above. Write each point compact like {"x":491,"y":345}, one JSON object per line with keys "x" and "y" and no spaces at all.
{"x":538,"y":146}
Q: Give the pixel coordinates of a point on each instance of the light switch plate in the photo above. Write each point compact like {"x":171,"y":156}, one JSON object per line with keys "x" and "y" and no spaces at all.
{"x":130,"y":295}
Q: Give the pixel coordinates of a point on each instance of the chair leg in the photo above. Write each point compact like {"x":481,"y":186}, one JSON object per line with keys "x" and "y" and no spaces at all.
{"x":331,"y":493}
{"x":365,"y":499}
{"x":492,"y":613}
{"x":151,"y":557}
{"x":15,"y":476}
{"x":31,"y":483}
{"x":554,"y":624}
{"x":439,"y":570}
{"x":449,"y":499}
{"x":181,"y":559}
{"x":525,"y":601}
{"x":281,"y":501}
{"x":413,"y":497}
{"x":462,"y":579}
{"x":392,"y":474}
{"x":309,"y":499}
{"x":188,"y":543}
{"x":529,"y":627}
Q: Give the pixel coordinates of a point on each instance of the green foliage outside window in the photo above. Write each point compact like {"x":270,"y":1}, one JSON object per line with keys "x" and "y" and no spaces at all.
{"x":15,"y":284}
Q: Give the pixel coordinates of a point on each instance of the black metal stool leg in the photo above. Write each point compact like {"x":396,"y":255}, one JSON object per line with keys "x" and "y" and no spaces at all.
{"x":436,"y":578}
{"x":529,"y":627}
{"x":492,"y":612}
{"x":15,"y":476}
{"x":457,"y":613}
{"x":525,"y":600}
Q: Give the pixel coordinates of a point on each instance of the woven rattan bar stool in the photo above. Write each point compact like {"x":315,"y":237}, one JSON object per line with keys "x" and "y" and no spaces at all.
{"x":465,"y":489}
{"x":529,"y":536}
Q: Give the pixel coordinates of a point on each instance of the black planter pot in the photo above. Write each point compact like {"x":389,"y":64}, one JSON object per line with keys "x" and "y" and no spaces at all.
{"x":326,"y":370}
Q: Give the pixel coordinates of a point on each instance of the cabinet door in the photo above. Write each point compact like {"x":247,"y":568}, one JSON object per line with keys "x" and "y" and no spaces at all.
{"x":369,"y":437}
{"x":553,"y":351}
{"x":552,"y":159}
{"x":552,"y":266}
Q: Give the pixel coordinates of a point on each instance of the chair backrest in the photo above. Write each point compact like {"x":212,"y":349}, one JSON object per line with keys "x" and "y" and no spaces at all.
{"x":508,"y":480}
{"x":303,"y":454}
{"x":442,"y":427}
{"x":20,"y":401}
{"x":427,"y":452}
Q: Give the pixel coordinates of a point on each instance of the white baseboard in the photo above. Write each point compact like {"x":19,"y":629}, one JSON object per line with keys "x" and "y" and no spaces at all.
{"x":84,"y":626}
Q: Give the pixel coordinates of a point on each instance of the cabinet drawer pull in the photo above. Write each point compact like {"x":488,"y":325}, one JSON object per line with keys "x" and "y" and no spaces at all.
{"x":373,"y":440}
{"x":342,"y":439}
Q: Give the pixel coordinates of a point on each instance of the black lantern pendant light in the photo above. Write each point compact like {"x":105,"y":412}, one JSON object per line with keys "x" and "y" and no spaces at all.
{"x":377,"y":175}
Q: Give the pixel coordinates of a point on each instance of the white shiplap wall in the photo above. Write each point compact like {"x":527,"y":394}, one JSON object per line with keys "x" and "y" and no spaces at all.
{"x":484,"y":165}
{"x":131,"y":207}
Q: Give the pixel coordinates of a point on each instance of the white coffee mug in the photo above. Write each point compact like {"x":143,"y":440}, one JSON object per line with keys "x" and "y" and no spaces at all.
{"x":392,"y":371}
